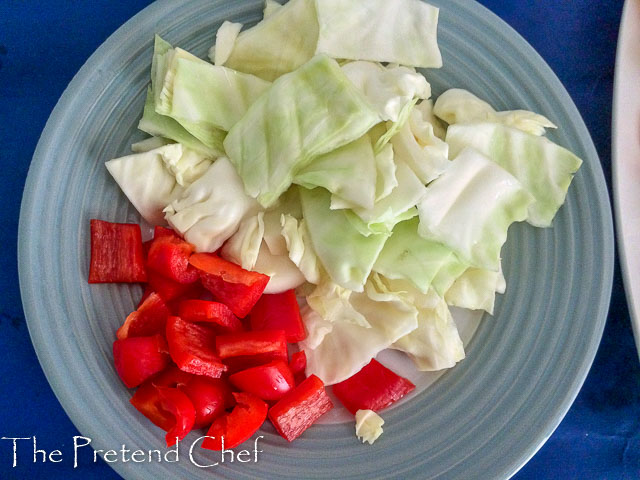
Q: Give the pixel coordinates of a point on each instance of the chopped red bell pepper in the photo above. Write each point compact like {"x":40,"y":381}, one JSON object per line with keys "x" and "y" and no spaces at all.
{"x":146,"y":398}
{"x":298,"y":365}
{"x":373,"y":388}
{"x":237,"y":288}
{"x":192,"y":348}
{"x":211,"y":312}
{"x":170,"y":289}
{"x":147,"y":291}
{"x":147,"y":402}
{"x":210,"y":397}
{"x":249,"y":349}
{"x":138,"y":358}
{"x":160,"y":231}
{"x":116,"y":253}
{"x":169,"y":256}
{"x":178,"y":404}
{"x":279,"y":311}
{"x":236,"y":427}
{"x":269,"y":382}
{"x":300,"y":408}
{"x":150,"y":318}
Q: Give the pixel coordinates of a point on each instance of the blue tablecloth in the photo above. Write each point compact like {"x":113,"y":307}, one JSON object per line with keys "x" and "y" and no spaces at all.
{"x":42,"y":45}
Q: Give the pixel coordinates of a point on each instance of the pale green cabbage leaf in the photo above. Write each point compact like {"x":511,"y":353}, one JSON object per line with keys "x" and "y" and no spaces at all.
{"x":470,"y":206}
{"x":210,"y":210}
{"x":306,"y":113}
{"x":401,"y":31}
{"x":461,"y":106}
{"x":544,"y":168}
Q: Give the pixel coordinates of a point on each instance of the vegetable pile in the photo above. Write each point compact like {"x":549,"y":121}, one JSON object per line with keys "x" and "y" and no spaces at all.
{"x":307,"y":162}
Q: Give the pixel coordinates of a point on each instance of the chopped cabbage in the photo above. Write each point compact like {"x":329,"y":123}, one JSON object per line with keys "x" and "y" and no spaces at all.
{"x":244,"y":245}
{"x":349,"y":172}
{"x":461,"y":106}
{"x":285,"y":275}
{"x":311,"y":111}
{"x":150,"y":143}
{"x":283,"y":41}
{"x":390,"y":88}
{"x":270,"y":6}
{"x":476,"y":289}
{"x":300,"y":248}
{"x":417,"y":145}
{"x":470,"y":207}
{"x":146,"y":181}
{"x":207,"y":98}
{"x":225,"y":39}
{"x":210,"y":210}
{"x":544,"y":168}
{"x":402,"y":31}
{"x":406,"y":255}
{"x":345,"y":253}
{"x":368,"y":426}
{"x":337,"y":350}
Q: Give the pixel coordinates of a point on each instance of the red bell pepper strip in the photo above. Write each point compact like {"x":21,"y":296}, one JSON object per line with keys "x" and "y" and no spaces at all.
{"x":249,"y":349}
{"x":150,"y":318}
{"x":178,"y":404}
{"x":298,"y":365}
{"x":236,"y":427}
{"x":170,"y":289}
{"x":237,"y":288}
{"x":169,"y":256}
{"x":373,"y":388}
{"x":269,"y":382}
{"x":300,"y":408}
{"x":192,"y":348}
{"x":210,"y":397}
{"x":279,"y":311}
{"x":138,"y":358}
{"x":116,"y":253}
{"x":211,"y":312}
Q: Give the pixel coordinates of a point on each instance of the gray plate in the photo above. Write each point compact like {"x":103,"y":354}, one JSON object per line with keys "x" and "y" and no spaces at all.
{"x":483,"y":419}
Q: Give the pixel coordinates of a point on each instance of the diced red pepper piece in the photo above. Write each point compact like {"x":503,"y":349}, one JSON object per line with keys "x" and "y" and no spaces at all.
{"x":373,"y":388}
{"x":178,"y":404}
{"x":116,"y":253}
{"x":160,"y":231}
{"x":170,"y":289}
{"x":236,"y":427}
{"x":300,"y":408}
{"x":192,"y":348}
{"x":279,"y":311}
{"x":249,"y":349}
{"x":147,"y":401}
{"x":169,"y":256}
{"x":298,"y":365}
{"x":171,"y":376}
{"x":138,"y":358}
{"x":237,"y":288}
{"x":150,"y":318}
{"x":147,"y":291}
{"x":211,"y":312}
{"x":269,"y":382}
{"x":210,"y":397}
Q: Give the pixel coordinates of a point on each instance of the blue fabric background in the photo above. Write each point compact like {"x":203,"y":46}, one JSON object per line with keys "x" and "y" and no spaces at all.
{"x":43,"y":43}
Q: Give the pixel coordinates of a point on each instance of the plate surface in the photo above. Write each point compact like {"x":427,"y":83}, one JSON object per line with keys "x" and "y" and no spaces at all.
{"x":483,"y":419}
{"x":626,"y":156}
